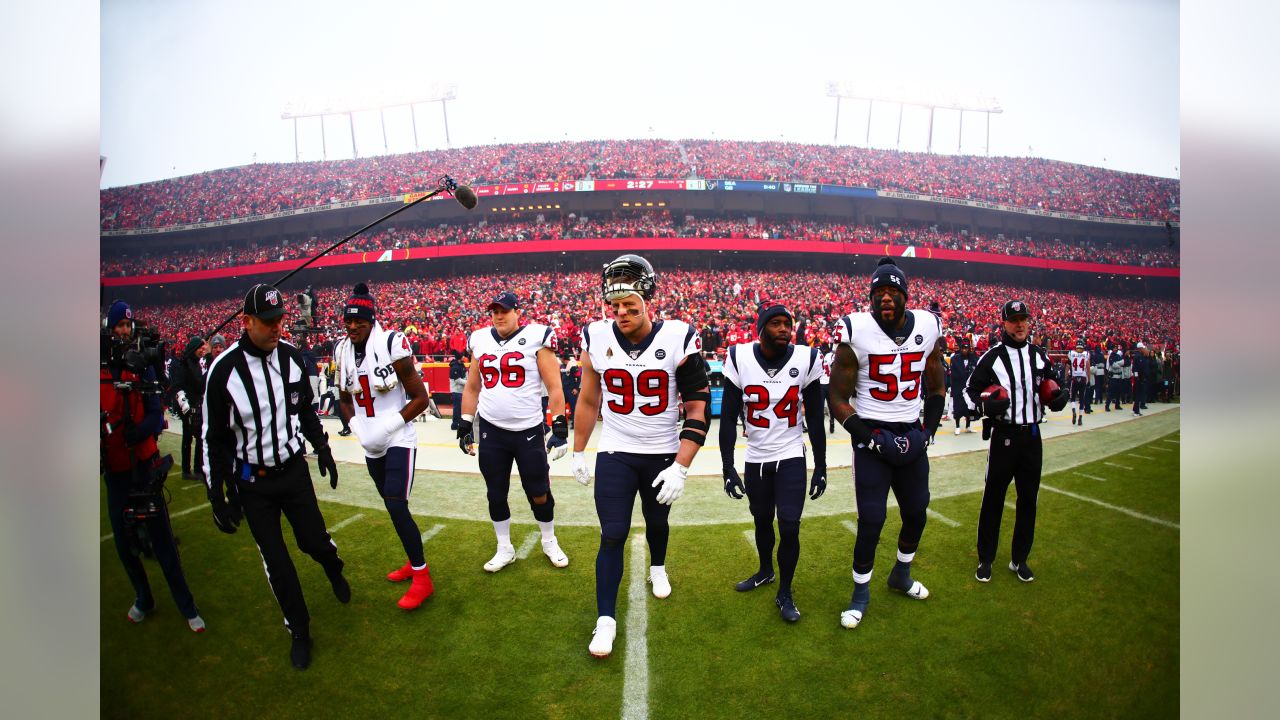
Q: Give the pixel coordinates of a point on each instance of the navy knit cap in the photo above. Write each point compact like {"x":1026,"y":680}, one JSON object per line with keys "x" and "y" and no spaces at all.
{"x":193,"y":345}
{"x":360,"y":306}
{"x":118,"y":311}
{"x":887,"y":273}
{"x":769,"y":310}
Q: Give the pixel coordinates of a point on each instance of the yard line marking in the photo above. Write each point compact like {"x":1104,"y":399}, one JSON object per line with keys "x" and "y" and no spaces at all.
{"x":635,"y":680}
{"x":1122,"y":467}
{"x":1010,"y":505}
{"x":1140,"y":457}
{"x":1091,"y":477}
{"x":850,"y":525}
{"x":750,"y":535}
{"x":178,"y":514}
{"x":1175,"y":442}
{"x":945,"y":520}
{"x":432,"y":532}
{"x":193,"y":486}
{"x":527,"y":546}
{"x":346,"y":522}
{"x":1160,"y":449}
{"x":1117,"y":508}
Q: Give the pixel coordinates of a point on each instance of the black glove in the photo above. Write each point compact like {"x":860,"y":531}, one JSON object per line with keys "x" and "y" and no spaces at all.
{"x":465,"y":441}
{"x":226,"y":520}
{"x":818,"y":483}
{"x":233,"y":502}
{"x":1058,"y":400}
{"x":733,"y":486}
{"x":995,"y":409}
{"x":324,"y":459}
{"x":560,"y":427}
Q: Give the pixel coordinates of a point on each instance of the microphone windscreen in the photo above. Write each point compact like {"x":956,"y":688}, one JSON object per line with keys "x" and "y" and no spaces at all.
{"x":466,"y":196}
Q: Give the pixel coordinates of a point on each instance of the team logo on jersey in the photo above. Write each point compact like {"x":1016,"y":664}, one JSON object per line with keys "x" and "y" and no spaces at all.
{"x":608,"y":353}
{"x":903,"y":443}
{"x":634,"y":353}
{"x":919,"y":339}
{"x":521,"y":341}
{"x":771,"y":371}
{"x":900,"y":340}
{"x":659,"y":353}
{"x":795,"y":372}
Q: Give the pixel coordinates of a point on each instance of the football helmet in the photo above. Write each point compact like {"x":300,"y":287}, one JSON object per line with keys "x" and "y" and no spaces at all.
{"x":628,"y":274}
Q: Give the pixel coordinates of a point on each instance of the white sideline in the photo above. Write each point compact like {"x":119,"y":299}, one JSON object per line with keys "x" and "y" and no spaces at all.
{"x":1122,"y":467}
{"x":432,"y":532}
{"x":346,"y":522}
{"x":635,"y":680}
{"x":1091,"y":477}
{"x":527,"y":546}
{"x":945,"y":520}
{"x":1117,"y":508}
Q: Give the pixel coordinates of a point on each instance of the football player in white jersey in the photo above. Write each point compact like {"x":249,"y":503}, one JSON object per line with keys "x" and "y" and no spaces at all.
{"x":768,"y":380}
{"x":379,"y":395}
{"x":632,"y":370}
{"x":510,"y":364}
{"x":880,"y":360}
{"x":1078,"y":361}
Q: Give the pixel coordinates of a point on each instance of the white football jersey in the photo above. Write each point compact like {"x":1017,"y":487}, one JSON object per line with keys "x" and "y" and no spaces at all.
{"x":890,"y":369}
{"x":827,"y":361}
{"x":510,"y":384}
{"x":1079,"y":363}
{"x":638,"y":384}
{"x":771,"y":398}
{"x":370,"y":403}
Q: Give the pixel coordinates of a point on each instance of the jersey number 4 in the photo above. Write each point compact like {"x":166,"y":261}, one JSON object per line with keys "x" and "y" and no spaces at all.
{"x":756,"y":400}
{"x":504,"y":371}
{"x":365,"y":398}
{"x":908,"y":374}
{"x":649,"y":383}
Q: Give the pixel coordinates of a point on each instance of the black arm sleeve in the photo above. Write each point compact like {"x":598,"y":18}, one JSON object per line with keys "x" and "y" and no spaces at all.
{"x":812,"y":396}
{"x":730,"y":410}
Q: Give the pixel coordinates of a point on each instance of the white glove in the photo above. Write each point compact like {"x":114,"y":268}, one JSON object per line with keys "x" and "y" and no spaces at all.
{"x":672,"y":481}
{"x":555,"y":452}
{"x":182,"y":402}
{"x":581,"y":472}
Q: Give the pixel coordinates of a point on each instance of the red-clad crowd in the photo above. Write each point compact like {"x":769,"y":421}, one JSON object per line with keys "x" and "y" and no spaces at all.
{"x":269,"y":187}
{"x":622,"y":225}
{"x":720,"y":304}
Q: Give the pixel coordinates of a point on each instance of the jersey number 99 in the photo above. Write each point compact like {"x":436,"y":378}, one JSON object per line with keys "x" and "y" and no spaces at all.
{"x":653,"y":384}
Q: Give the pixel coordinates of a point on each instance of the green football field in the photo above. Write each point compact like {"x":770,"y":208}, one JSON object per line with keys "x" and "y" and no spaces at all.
{"x":1096,"y":634}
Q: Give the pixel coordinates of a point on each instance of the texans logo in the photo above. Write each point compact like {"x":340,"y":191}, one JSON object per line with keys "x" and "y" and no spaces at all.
{"x":904,"y":444}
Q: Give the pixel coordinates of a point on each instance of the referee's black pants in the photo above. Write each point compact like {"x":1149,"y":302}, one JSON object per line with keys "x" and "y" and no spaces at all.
{"x":191,"y":432}
{"x":1015,"y":454}
{"x":288,"y":490}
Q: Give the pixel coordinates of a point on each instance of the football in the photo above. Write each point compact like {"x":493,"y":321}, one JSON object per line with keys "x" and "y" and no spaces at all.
{"x":1048,"y":389}
{"x":995,"y":392}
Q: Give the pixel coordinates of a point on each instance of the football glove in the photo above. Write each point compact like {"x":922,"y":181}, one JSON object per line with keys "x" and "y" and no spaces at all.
{"x":994,"y":401}
{"x":818,"y":483}
{"x":466,"y":442}
{"x":733,"y":486}
{"x":223,"y":517}
{"x":558,"y":444}
{"x":672,"y":482}
{"x":324,"y":459}
{"x":581,"y":472}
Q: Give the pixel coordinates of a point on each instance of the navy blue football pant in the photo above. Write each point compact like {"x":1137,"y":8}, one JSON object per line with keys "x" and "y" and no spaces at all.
{"x":161,"y":534}
{"x":393,"y":476}
{"x":777,"y":486}
{"x":873,"y":478}
{"x":619,"y":478}
{"x":1015,"y":454}
{"x":500,"y":448}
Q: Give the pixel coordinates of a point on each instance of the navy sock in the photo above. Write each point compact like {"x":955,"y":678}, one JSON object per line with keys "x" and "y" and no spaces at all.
{"x":788,"y":553}
{"x":900,"y":576}
{"x":861,"y":596}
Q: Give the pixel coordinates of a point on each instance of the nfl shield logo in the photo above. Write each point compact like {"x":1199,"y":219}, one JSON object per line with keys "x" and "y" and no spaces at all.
{"x":273,"y":297}
{"x":293,"y":398}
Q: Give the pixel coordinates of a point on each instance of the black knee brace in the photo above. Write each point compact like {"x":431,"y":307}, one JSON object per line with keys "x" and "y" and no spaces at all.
{"x":543,"y":511}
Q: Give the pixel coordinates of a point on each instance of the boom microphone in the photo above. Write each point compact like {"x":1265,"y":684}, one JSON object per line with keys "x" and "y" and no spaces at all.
{"x":463,"y":194}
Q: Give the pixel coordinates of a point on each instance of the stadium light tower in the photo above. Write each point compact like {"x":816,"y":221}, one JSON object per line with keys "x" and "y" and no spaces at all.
{"x":296,"y":109}
{"x":845,"y":91}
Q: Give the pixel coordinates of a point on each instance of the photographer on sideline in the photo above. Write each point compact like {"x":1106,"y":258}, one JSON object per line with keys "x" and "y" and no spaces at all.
{"x":188,"y":392}
{"x":131,"y":414}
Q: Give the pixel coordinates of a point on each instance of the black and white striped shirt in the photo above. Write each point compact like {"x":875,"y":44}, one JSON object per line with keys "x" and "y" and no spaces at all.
{"x":257,"y":408}
{"x":1020,"y":370}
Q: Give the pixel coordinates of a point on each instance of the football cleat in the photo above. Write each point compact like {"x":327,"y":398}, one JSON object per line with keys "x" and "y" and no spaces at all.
{"x":505,"y":555}
{"x":917,"y":590}
{"x":957,"y":430}
{"x":602,"y":637}
{"x":983,"y":573}
{"x":401,"y":574}
{"x":754,"y":582}
{"x":787,"y":607}
{"x":661,"y":584}
{"x":136,"y":614}
{"x":1023,"y":570}
{"x":196,"y":624}
{"x":850,"y":618}
{"x":551,"y":548}
{"x":419,"y":591}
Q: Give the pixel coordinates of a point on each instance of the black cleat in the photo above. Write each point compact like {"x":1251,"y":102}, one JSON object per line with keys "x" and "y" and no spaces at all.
{"x":341,"y":588}
{"x":1023,"y":570}
{"x":344,"y":432}
{"x":300,"y":651}
{"x":787,"y":607}
{"x":754,"y":582}
{"x":984,"y":572}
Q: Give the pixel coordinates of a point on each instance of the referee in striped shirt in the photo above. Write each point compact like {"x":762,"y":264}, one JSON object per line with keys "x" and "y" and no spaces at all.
{"x":257,"y":412}
{"x":1013,"y":425}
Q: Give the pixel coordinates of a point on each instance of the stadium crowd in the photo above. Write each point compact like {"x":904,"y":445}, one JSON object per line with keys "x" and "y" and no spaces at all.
{"x":720,"y":304}
{"x":623,"y":224}
{"x":269,"y":187}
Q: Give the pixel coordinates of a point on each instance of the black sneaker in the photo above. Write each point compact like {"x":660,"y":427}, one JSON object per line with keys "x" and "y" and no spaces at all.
{"x":1023,"y":570}
{"x":300,"y":651}
{"x":344,"y":432}
{"x":984,"y":572}
{"x":787,"y":607}
{"x":754,"y":582}
{"x":341,"y":588}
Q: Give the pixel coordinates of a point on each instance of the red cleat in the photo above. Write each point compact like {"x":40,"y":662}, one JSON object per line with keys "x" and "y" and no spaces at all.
{"x":420,"y":590}
{"x":401,"y":574}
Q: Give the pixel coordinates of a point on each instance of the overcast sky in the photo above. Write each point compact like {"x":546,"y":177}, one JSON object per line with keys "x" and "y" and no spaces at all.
{"x":194,"y":86}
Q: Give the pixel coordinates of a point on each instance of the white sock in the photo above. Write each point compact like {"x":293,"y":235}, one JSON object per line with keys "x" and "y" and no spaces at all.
{"x":419,"y":569}
{"x":502,"y":528}
{"x":862,"y":578}
{"x":548,"y":530}
{"x":906,"y":557}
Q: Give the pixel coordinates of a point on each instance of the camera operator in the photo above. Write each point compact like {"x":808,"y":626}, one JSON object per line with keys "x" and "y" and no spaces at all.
{"x":131,"y":414}
{"x":188,"y":392}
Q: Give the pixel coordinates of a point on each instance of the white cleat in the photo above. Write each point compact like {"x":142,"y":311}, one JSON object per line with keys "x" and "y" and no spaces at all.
{"x":917,"y":590}
{"x":850,"y":618}
{"x":505,"y":556}
{"x":602,"y":637}
{"x":196,"y":624}
{"x":551,"y":548}
{"x":658,"y":577}
{"x":135,"y":615}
